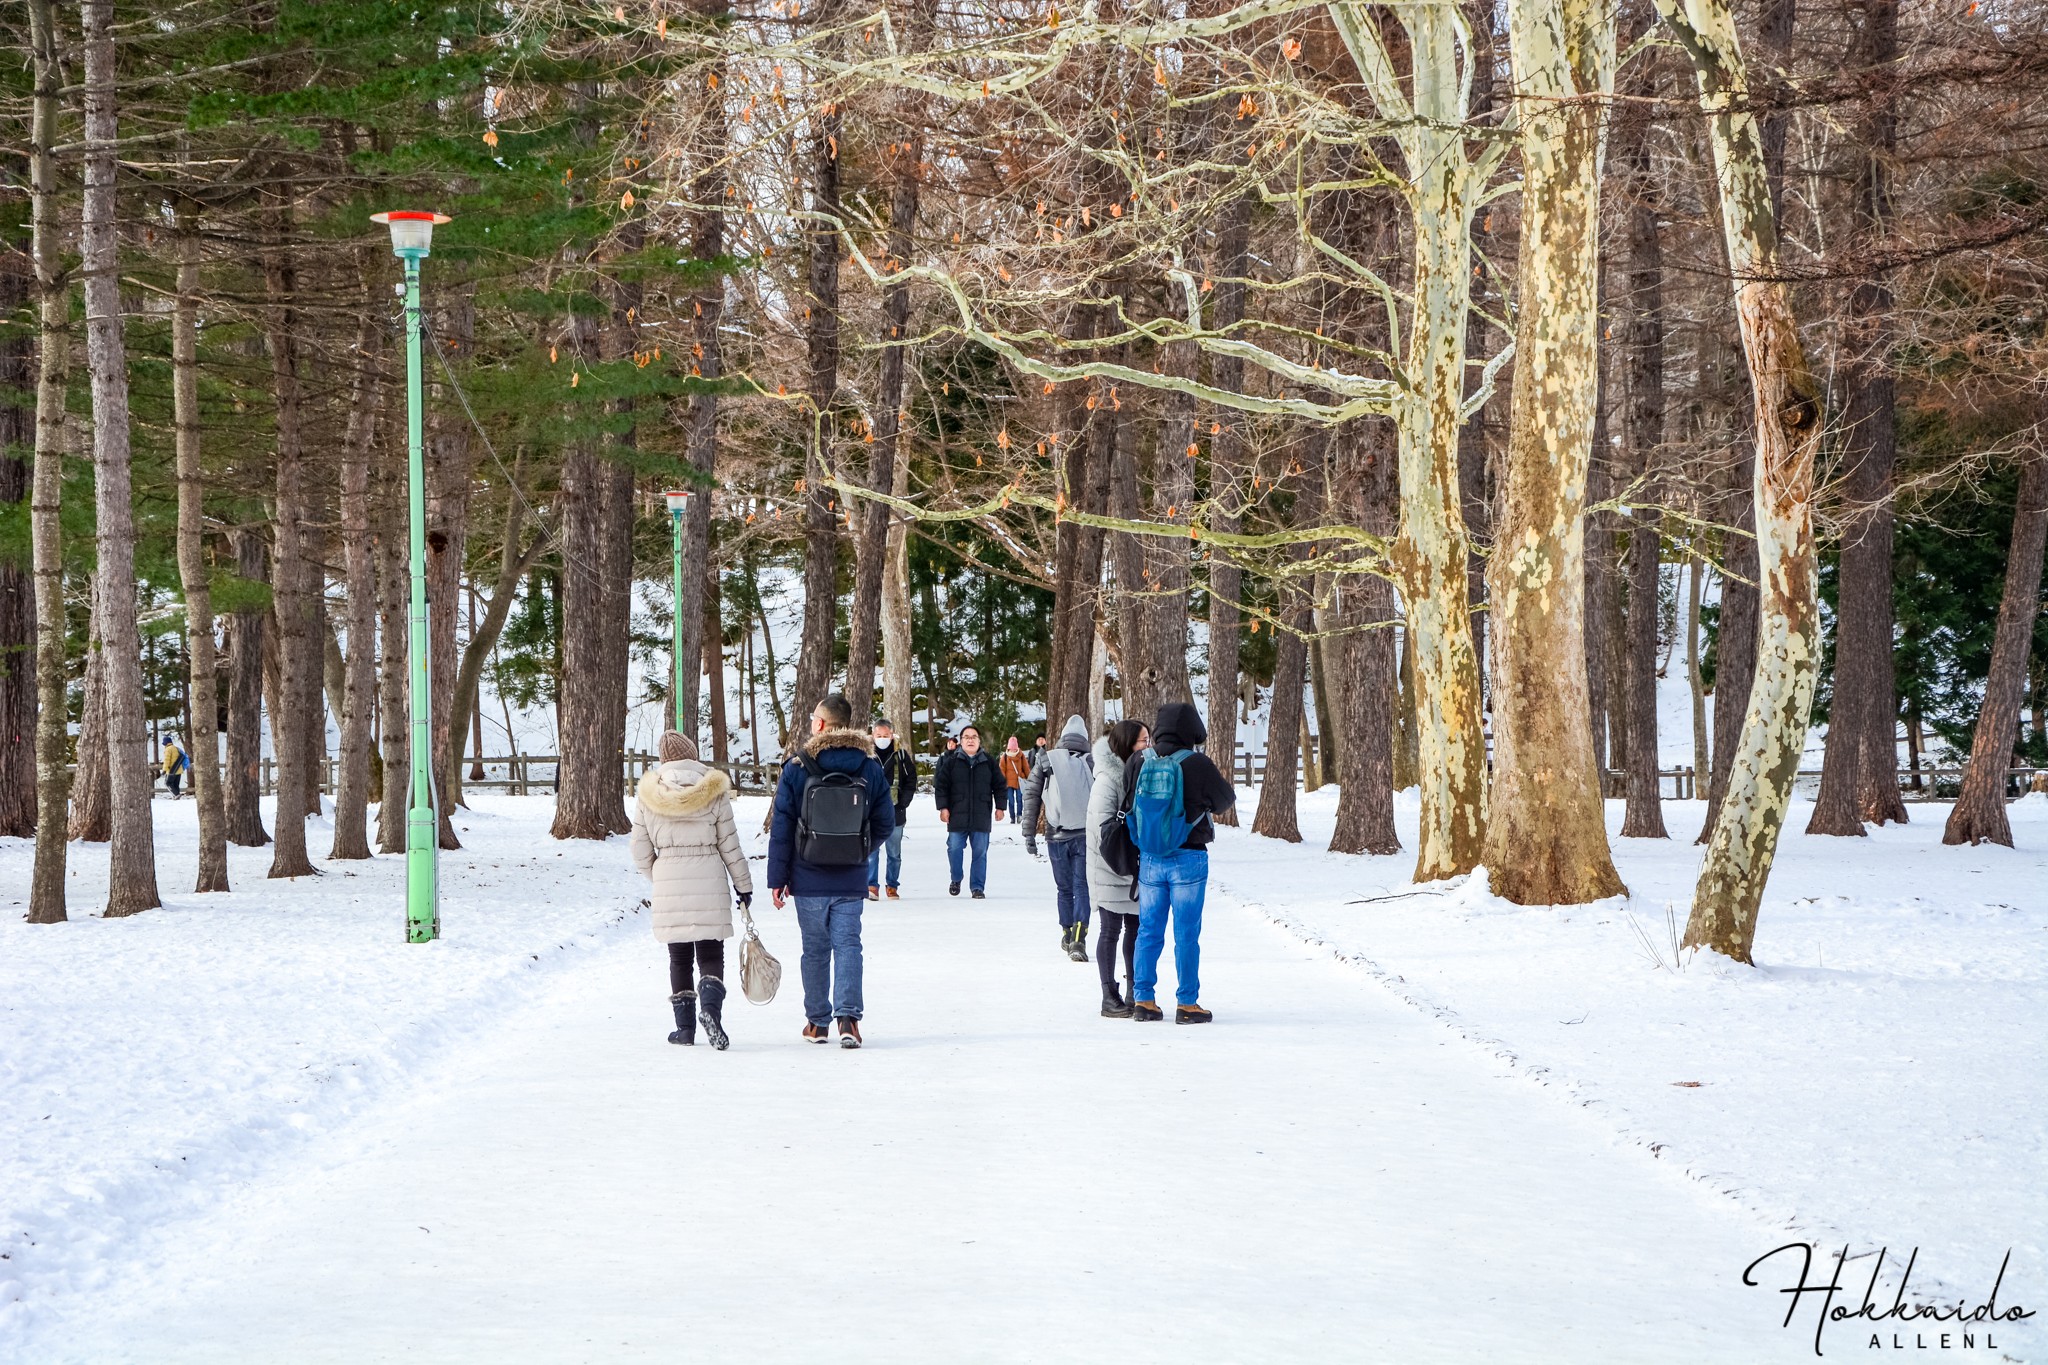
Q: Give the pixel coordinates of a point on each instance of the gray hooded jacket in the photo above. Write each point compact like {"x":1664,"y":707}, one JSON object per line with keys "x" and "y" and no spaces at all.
{"x":1106,"y":890}
{"x":1059,"y":785}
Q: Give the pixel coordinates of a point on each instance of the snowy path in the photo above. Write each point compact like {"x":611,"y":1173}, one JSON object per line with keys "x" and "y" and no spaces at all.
{"x":999,"y":1175}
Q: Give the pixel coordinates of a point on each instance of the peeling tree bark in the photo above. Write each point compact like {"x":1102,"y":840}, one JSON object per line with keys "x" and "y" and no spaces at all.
{"x":1547,"y":832}
{"x":1788,"y":430}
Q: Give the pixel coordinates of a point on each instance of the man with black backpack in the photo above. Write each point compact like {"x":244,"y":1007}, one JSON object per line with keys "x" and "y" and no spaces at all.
{"x":832,"y":809}
{"x":1173,"y":790}
{"x":1059,"y":786}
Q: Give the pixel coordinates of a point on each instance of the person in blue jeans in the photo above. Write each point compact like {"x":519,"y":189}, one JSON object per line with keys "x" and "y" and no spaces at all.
{"x":1174,"y":886}
{"x":829,"y":895}
{"x":1058,"y":788}
{"x":970,"y":793}
{"x":899,"y":769}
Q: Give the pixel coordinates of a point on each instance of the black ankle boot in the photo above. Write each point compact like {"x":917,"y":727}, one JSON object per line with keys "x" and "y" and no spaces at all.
{"x":1114,"y":1006}
{"x":711,"y":992}
{"x":685,"y":1005}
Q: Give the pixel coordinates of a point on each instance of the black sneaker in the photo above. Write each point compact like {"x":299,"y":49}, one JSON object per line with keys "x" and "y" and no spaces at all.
{"x":953,"y":889}
{"x":849,"y":1033}
{"x":1146,"y":1012}
{"x":977,"y":895}
{"x":1191,"y":1014}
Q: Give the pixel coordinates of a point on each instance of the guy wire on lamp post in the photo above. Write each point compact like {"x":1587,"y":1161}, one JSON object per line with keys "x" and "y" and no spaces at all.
{"x":678,"y":503}
{"x":412,"y":236}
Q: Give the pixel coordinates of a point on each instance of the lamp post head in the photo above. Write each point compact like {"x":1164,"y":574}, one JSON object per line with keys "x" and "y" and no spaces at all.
{"x":678,"y":501}
{"x":412,"y":231}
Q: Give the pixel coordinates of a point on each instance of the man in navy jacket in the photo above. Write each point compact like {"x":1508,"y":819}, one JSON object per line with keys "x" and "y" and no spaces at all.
{"x":828,"y":899}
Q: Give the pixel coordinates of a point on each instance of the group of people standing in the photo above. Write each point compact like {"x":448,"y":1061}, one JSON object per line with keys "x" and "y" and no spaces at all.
{"x":835,"y":840}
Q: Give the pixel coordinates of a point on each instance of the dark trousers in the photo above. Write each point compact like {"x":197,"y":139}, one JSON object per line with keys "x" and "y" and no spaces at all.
{"x":1114,"y":926}
{"x":709,"y":955}
{"x":1069,"y":858}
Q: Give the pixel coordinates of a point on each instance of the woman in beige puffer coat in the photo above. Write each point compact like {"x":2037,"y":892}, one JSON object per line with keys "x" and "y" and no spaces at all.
{"x":684,"y":840}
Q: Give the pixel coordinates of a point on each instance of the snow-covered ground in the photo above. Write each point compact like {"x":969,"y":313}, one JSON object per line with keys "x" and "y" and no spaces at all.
{"x":1424,"y":1127}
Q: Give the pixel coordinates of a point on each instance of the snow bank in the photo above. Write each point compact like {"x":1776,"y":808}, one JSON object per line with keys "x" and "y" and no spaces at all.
{"x":1875,"y":1080}
{"x":154,"y":1061}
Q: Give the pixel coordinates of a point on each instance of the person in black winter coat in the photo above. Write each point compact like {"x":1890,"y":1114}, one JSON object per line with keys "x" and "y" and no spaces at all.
{"x":899,"y":769}
{"x":1174,"y":885}
{"x":969,"y":791}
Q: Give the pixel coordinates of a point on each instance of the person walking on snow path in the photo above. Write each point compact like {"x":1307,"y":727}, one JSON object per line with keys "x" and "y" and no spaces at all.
{"x":832,"y":809}
{"x":175,"y":764}
{"x":1059,"y":785}
{"x":900,"y":771}
{"x":1115,"y":898}
{"x":969,"y":791}
{"x":685,"y":842}
{"x":1016,"y":765}
{"x":1174,"y":792}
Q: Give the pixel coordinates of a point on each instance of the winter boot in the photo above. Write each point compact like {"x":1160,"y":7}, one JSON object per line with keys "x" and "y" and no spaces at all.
{"x":1077,"y":943}
{"x":849,"y":1032}
{"x":685,"y":1005}
{"x":1146,"y":1012}
{"x":1191,"y":1014}
{"x":1114,"y":1006}
{"x":711,"y":994}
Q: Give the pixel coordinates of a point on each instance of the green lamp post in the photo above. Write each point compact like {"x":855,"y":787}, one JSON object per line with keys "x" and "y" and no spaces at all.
{"x":678,"y":503}
{"x":412,"y":236}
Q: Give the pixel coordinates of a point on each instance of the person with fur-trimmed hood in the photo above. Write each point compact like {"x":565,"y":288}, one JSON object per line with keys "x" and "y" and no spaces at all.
{"x":823,"y":863}
{"x":685,"y":842}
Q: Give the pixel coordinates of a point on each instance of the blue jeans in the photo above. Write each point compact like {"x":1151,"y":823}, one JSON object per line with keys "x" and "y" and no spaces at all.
{"x":895,"y":844}
{"x":1174,"y":884}
{"x":1070,"y":874}
{"x":831,"y":962}
{"x":1016,"y":804}
{"x":956,"y":844}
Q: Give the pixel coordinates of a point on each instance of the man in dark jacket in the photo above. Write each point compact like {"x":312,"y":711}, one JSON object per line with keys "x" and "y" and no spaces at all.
{"x":969,"y":791}
{"x":899,"y":770}
{"x":1175,"y":885}
{"x":828,"y":898}
{"x":1059,"y":785}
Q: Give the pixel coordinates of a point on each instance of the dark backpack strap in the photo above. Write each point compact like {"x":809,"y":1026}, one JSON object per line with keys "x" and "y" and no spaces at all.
{"x":810,"y":763}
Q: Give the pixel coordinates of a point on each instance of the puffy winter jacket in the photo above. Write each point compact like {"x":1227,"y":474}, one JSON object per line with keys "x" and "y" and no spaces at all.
{"x":1106,"y":890}
{"x":969,"y":790}
{"x":1061,"y":785}
{"x":1204,"y":789}
{"x":837,"y":751}
{"x":685,"y":841}
{"x":899,"y":770}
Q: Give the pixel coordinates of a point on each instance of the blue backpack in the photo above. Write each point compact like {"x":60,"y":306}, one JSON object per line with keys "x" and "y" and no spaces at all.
{"x":1159,"y":819}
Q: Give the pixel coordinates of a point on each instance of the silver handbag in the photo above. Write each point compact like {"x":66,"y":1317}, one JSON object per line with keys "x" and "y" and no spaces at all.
{"x":760,"y":973}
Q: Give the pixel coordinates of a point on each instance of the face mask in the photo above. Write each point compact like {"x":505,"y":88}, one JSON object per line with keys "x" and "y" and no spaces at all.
{"x":882,"y":741}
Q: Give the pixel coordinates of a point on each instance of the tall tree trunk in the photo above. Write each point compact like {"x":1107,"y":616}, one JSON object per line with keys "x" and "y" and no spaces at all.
{"x":1364,"y":655}
{"x":352,"y":789}
{"x":707,"y":243}
{"x":451,"y":475}
{"x":202,"y":731}
{"x":1546,"y":838}
{"x":92,"y":794}
{"x":17,"y":595}
{"x":1702,"y":756}
{"x":1859,"y":775}
{"x":1788,"y":431}
{"x":1085,"y":468}
{"x":714,"y":667}
{"x":1979,"y":813}
{"x":872,"y":548}
{"x":1642,"y":438}
{"x":898,"y":654}
{"x":514,"y":563}
{"x":821,"y":340}
{"x":1228,"y":492}
{"x":53,"y":780}
{"x":585,"y":781}
{"x":291,"y":574}
{"x":1276,"y":816}
{"x":242,"y":787}
{"x":131,"y":872}
{"x":394,"y":587}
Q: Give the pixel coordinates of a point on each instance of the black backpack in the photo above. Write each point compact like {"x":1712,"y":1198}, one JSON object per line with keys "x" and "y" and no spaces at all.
{"x":832,"y":821}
